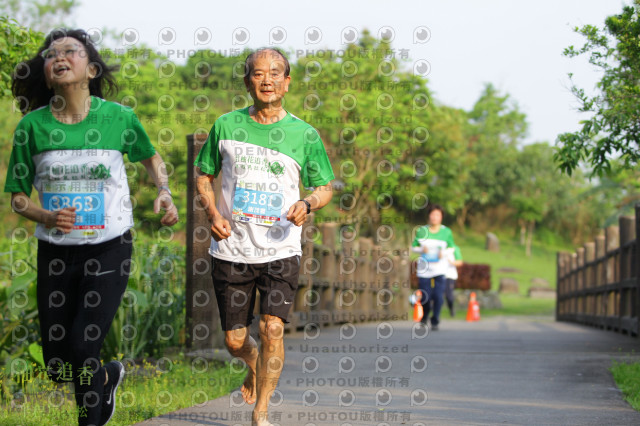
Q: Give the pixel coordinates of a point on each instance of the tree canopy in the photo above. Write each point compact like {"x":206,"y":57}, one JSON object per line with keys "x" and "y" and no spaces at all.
{"x":613,"y":129}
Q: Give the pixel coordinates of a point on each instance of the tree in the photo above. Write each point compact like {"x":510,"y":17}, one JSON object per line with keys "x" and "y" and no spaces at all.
{"x":40,"y":16}
{"x":617,"y":192}
{"x":495,"y":128}
{"x":613,"y":130}
{"x":531,"y":198}
{"x":17,"y":44}
{"x":392,"y":149}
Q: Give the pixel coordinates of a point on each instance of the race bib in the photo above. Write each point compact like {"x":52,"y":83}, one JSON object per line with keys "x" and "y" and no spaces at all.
{"x":90,"y":213}
{"x":431,"y":257}
{"x":257,"y":206}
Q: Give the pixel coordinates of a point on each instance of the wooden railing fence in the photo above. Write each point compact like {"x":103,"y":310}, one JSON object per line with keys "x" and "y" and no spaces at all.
{"x":599,"y":284}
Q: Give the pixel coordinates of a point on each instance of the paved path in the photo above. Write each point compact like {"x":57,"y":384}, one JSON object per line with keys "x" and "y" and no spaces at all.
{"x":512,"y":371}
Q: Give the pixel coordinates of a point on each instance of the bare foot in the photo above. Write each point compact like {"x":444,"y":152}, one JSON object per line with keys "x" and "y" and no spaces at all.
{"x":248,"y":388}
{"x":259,"y":418}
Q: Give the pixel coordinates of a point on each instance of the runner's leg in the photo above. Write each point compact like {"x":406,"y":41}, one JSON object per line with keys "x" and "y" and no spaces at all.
{"x":234,"y":285}
{"x":269,"y":365}
{"x":277,"y":284}
{"x":437,"y":295}
{"x":56,"y":295}
{"x":105,"y":276}
{"x":424,"y":284}
{"x":241,"y":345}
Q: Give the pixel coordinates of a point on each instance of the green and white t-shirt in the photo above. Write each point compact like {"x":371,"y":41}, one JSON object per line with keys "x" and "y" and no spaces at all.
{"x":261,"y":166}
{"x":434,"y":262}
{"x":79,"y":165}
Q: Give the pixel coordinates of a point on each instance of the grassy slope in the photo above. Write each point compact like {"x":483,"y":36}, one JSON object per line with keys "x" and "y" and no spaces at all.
{"x":541,"y":264}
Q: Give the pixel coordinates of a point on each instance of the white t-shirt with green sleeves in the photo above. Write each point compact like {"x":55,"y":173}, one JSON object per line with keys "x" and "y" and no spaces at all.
{"x":434,"y":262}
{"x":261,"y":167}
{"x":79,"y":165}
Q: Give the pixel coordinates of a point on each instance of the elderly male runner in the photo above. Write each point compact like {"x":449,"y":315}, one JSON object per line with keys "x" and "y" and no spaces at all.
{"x":263,"y":151}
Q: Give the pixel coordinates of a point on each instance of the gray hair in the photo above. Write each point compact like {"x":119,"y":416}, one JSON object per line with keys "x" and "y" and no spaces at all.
{"x":248,"y":63}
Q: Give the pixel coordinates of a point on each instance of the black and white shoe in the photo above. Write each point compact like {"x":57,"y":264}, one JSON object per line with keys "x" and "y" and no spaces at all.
{"x":115,"y":370}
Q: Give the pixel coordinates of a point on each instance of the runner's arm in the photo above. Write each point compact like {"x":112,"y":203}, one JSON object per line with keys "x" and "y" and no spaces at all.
{"x":61,"y":219}
{"x":158,"y":171}
{"x":220,"y":227}
{"x":319,"y":198}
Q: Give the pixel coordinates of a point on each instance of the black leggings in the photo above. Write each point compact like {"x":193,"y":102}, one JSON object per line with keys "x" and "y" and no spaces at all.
{"x":79,"y":291}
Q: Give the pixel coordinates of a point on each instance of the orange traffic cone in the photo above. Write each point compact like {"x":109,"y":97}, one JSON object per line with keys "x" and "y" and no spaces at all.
{"x":418,"y":311}
{"x":473,"y":311}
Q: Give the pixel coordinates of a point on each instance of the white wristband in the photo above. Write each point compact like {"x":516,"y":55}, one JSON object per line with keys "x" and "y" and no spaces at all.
{"x":165,"y":188}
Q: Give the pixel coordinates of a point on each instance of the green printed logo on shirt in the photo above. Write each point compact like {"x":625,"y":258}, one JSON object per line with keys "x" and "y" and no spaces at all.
{"x":277,"y":168}
{"x":99,"y":172}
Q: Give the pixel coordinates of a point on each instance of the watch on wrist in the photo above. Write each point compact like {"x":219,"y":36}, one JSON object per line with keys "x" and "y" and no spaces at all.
{"x":164,"y":188}
{"x":308,"y":205}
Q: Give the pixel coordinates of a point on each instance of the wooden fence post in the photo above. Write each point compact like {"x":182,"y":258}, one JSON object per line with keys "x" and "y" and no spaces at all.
{"x":559,"y":284}
{"x":636,"y":261}
{"x":563,"y":285}
{"x":202,"y":318}
{"x":572,"y":261}
{"x":626,"y":295}
{"x":627,"y":226}
{"x":612,"y":242}
{"x":405,"y":281}
{"x":330,"y":268}
{"x":600,"y":272}
{"x":364,"y":277}
{"x":348,"y":277}
{"x":590,"y":281}
{"x":580,"y":296}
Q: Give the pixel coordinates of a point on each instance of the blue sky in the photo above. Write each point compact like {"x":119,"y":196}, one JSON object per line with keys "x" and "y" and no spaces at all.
{"x":516,"y":45}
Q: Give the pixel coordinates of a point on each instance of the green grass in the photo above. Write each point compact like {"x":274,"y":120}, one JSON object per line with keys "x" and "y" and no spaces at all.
{"x":627,"y":377}
{"x":519,"y":305}
{"x":541,"y":264}
{"x":148,"y":391}
{"x":512,"y":305}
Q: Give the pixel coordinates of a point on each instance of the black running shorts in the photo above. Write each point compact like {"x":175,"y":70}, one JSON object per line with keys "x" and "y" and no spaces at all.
{"x":235,"y":287}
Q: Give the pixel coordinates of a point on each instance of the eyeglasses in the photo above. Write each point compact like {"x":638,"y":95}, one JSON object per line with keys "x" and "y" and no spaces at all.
{"x":67,"y":52}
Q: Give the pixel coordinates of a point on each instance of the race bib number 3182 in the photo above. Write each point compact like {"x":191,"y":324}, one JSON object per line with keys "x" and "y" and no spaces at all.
{"x":259,"y":207}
